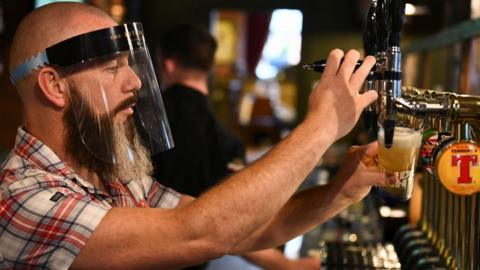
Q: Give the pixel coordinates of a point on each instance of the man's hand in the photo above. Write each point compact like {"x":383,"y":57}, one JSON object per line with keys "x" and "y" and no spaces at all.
{"x":336,"y":103}
{"x":358,"y":173}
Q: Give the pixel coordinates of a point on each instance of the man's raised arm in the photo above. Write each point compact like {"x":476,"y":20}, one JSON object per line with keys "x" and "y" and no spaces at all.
{"x":220,"y":219}
{"x":312,"y":207}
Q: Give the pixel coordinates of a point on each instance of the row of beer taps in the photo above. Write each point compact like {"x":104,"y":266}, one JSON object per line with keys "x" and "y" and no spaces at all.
{"x":453,"y":241}
{"x":450,"y":220}
{"x":382,"y":39}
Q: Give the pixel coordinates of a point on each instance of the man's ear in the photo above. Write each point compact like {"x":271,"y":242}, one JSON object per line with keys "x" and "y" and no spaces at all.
{"x":52,"y":86}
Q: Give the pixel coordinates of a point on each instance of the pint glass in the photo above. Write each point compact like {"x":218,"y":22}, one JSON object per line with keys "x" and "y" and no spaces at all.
{"x":400,"y":160}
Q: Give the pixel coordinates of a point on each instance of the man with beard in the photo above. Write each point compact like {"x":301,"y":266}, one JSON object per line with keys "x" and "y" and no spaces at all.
{"x":59,"y":211}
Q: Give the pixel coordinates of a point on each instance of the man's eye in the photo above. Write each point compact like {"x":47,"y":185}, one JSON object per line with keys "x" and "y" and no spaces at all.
{"x":112,"y":69}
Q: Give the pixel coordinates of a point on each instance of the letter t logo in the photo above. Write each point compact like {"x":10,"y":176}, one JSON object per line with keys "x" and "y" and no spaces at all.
{"x":465,"y":177}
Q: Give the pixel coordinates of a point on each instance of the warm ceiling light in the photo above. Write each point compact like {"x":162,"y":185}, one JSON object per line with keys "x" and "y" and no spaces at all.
{"x":117,"y":10}
{"x":410,"y":9}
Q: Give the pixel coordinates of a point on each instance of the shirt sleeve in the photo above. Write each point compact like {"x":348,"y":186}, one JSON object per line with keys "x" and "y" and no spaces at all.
{"x":46,"y":228}
{"x":159,"y":196}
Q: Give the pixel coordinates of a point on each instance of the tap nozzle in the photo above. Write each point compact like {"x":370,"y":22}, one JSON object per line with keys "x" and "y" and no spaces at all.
{"x":388,"y":129}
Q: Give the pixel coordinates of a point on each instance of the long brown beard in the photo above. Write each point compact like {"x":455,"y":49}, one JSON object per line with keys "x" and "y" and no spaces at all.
{"x":95,"y":142}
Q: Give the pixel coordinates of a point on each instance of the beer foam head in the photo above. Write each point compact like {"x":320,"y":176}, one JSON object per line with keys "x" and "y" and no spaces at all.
{"x":403,"y":137}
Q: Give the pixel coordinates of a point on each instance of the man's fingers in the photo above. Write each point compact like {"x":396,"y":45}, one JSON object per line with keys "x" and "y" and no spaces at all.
{"x":379,"y":179}
{"x":361,"y":73}
{"x":348,"y":65}
{"x":367,"y":98}
{"x":366,"y":152}
{"x":333,"y":62}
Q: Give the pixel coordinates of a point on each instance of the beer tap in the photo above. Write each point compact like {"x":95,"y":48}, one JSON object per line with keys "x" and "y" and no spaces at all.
{"x":382,"y":39}
{"x":370,"y":48}
{"x":390,"y":17}
{"x":382,"y":25}
{"x":394,"y":72}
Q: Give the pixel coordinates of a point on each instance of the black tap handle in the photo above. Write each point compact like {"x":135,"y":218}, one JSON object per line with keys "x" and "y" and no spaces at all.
{"x":370,"y":39}
{"x":370,"y":35}
{"x":388,"y":129}
{"x":383,"y":25}
{"x":319,"y":66}
{"x":397,"y":13}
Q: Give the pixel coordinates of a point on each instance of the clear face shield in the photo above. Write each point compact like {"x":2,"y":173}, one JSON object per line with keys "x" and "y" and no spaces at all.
{"x":116,"y":109}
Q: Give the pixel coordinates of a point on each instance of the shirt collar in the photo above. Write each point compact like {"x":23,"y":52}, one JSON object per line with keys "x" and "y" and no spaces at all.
{"x":41,"y":156}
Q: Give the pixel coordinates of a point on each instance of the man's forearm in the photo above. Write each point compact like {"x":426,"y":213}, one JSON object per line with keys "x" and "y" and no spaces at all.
{"x":303,"y":211}
{"x":311,"y":207}
{"x":253,"y":196}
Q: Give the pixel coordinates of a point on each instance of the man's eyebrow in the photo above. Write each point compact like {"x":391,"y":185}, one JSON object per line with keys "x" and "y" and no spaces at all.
{"x":121,"y":57}
{"x":107,"y":62}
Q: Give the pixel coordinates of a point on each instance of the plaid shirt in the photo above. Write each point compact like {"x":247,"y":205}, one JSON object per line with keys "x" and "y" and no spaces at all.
{"x":47,"y":212}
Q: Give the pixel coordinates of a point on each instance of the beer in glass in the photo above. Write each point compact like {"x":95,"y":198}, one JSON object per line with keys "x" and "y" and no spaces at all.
{"x":400,"y":160}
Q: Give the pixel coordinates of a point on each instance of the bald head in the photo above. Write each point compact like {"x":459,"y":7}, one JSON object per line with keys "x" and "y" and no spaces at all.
{"x":54,"y":23}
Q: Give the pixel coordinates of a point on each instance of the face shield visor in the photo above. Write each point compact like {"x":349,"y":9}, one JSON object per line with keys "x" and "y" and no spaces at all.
{"x":112,"y":88}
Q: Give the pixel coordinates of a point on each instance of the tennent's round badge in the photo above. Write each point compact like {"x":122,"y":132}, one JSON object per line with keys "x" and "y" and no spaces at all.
{"x":457,"y":167}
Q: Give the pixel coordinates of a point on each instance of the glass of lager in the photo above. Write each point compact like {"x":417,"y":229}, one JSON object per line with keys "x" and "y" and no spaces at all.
{"x":400,"y":159}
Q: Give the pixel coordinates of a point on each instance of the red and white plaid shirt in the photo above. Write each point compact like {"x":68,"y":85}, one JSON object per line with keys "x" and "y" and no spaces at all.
{"x":47,"y":212}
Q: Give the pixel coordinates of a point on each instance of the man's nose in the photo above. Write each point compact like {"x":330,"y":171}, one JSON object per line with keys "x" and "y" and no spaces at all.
{"x":133,"y":82}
